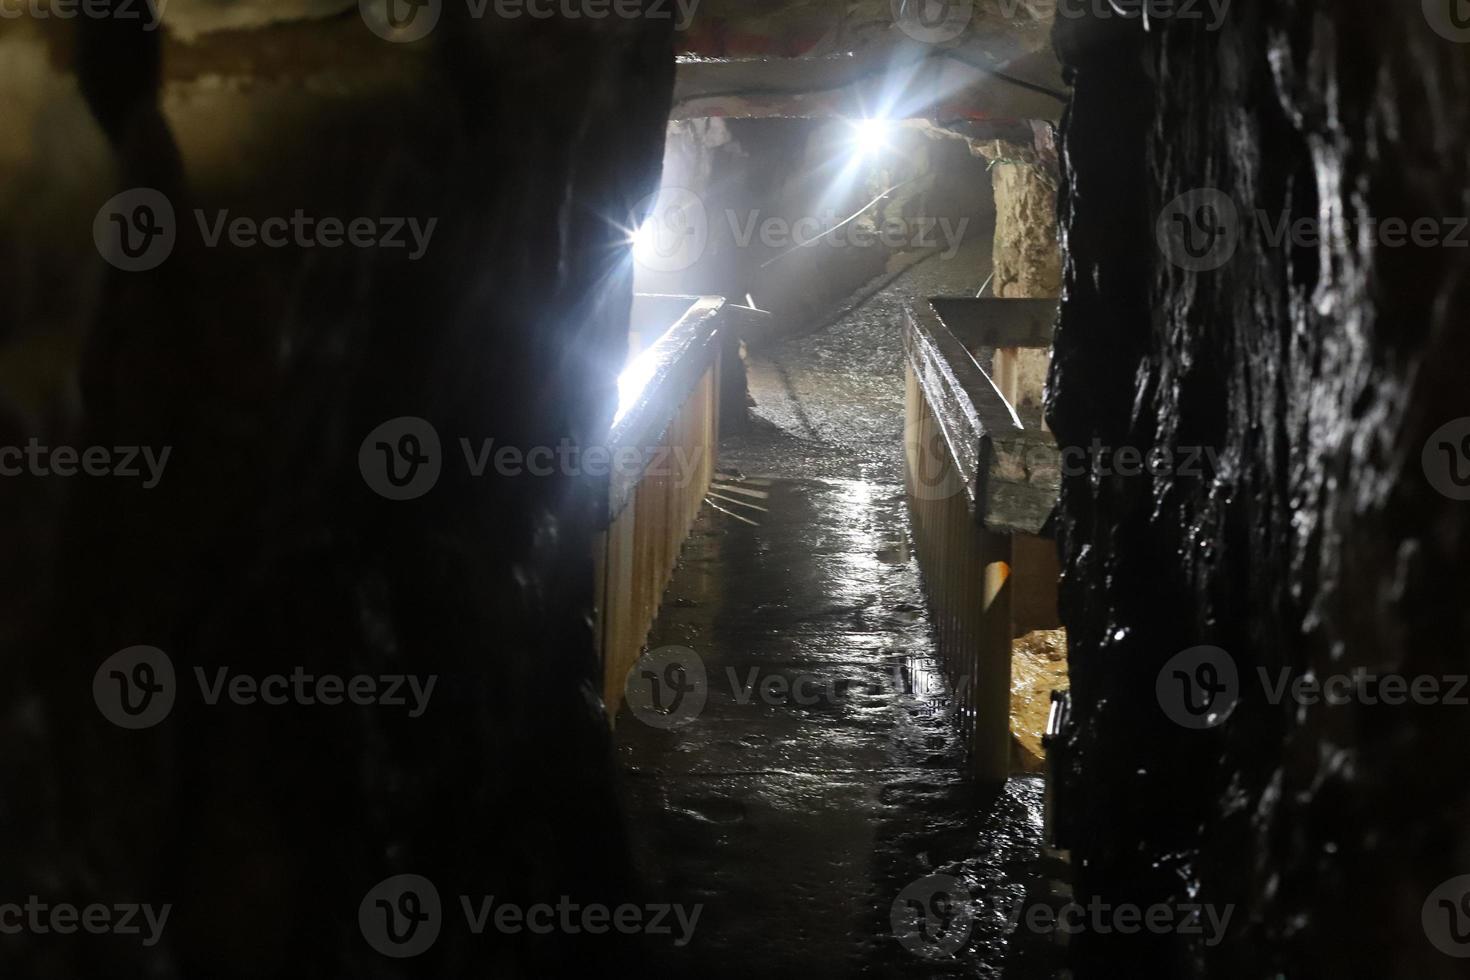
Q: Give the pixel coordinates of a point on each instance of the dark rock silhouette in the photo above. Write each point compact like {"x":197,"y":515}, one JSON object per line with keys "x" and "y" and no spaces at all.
{"x":1316,"y":543}
{"x":263,"y":549}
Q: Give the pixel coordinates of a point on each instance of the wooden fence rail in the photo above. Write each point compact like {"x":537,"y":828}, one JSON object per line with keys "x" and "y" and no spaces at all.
{"x":980,"y":487}
{"x":668,"y":419}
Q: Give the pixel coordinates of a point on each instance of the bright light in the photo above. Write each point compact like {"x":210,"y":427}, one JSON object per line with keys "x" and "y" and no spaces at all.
{"x":870,"y":136}
{"x":633,"y":380}
{"x":645,"y":240}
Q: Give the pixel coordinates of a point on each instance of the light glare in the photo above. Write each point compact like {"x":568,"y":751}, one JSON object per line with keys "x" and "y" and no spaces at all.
{"x":871,"y":136}
{"x":645,"y":240}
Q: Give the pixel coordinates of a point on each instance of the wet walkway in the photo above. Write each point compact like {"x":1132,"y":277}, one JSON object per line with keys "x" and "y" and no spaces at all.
{"x":821,"y":775}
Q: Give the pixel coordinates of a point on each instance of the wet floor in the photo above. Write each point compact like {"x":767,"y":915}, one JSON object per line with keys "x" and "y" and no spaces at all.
{"x":821,"y":777}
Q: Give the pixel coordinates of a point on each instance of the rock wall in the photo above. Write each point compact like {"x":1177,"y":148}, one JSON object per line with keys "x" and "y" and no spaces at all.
{"x":1308,"y":513}
{"x":1028,"y":262}
{"x":264,"y":548}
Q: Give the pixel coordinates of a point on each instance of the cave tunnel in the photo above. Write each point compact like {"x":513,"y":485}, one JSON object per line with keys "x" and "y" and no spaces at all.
{"x":724,"y":488}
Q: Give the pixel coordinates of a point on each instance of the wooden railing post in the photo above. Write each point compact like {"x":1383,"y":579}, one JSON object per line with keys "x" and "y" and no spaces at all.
{"x":992,"y":742}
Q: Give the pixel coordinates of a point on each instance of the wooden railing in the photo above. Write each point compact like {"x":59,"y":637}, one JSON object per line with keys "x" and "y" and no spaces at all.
{"x":668,"y":419}
{"x":981,"y":486}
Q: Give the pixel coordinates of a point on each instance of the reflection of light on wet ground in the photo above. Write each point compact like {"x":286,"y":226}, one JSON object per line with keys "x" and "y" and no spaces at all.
{"x":921,"y":678}
{"x":854,"y":502}
{"x":835,"y":804}
{"x":857,"y":495}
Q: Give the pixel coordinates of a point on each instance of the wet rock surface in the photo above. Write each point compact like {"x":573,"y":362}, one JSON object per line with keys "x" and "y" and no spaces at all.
{"x":1320,"y":544}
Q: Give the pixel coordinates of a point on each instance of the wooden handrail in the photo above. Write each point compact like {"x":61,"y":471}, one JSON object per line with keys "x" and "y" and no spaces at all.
{"x":1010,"y":474}
{"x":668,"y":413}
{"x":654,"y":386}
{"x":979,"y":483}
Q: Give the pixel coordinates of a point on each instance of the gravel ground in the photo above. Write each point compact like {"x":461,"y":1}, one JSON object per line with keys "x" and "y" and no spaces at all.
{"x":829,"y":403}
